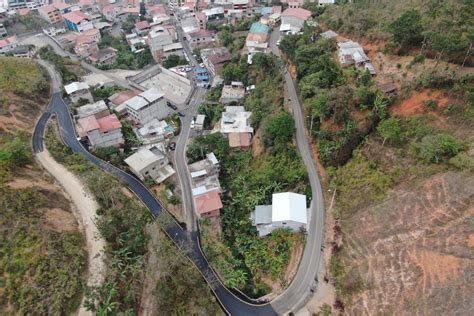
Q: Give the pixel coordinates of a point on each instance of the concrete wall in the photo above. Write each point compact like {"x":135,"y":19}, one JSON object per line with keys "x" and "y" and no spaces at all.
{"x":157,"y":110}
{"x":111,"y":138}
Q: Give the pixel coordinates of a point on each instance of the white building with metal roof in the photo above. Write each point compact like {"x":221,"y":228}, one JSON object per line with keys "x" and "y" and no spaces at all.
{"x":288,"y":210}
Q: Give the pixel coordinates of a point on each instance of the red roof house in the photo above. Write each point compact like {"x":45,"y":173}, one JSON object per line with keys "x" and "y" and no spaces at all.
{"x":208,"y":204}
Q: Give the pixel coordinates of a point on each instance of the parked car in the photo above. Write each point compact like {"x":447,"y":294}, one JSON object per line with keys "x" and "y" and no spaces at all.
{"x":188,"y":69}
{"x":172,"y":146}
{"x":181,"y":114}
{"x":174,"y":107}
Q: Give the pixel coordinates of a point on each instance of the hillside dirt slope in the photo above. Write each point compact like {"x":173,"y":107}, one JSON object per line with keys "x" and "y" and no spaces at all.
{"x":415,"y":250}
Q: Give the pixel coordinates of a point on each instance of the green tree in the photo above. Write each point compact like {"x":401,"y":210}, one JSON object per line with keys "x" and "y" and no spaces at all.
{"x":225,"y":37}
{"x":279,"y":130}
{"x":407,"y":29}
{"x":16,"y":152}
{"x":212,"y":112}
{"x":173,"y":61}
{"x":391,"y":130}
{"x":234,"y":72}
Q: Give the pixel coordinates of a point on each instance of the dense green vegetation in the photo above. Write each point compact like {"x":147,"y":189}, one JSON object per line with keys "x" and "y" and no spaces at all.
{"x":441,"y":29}
{"x":21,"y":77}
{"x":41,"y":265}
{"x":229,"y":38}
{"x":104,"y":92}
{"x":29,"y":22}
{"x":180,"y":289}
{"x":342,"y":106}
{"x":126,"y":59}
{"x":35,"y":260}
{"x":173,"y":61}
{"x":242,"y":258}
{"x":212,"y":112}
{"x":60,"y":63}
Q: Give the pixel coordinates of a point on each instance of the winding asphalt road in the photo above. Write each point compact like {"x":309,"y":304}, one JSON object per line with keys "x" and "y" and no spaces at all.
{"x":300,"y":289}
{"x":304,"y":283}
{"x":186,"y":241}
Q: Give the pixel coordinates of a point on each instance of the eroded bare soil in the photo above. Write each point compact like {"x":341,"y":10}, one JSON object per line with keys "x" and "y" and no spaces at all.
{"x":415,"y":250}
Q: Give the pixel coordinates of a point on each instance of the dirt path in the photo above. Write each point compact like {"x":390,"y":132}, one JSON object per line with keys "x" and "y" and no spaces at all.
{"x":85,"y":212}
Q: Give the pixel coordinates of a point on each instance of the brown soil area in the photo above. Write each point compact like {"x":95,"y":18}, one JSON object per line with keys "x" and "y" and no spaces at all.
{"x":371,"y":47}
{"x":60,"y":220}
{"x":470,"y":241}
{"x":257,"y":147}
{"x":22,"y":183}
{"x":394,"y":68}
{"x":292,"y":71}
{"x":416,"y":103}
{"x":411,"y":250}
{"x":127,"y":192}
{"x":148,"y":301}
{"x":294,"y":262}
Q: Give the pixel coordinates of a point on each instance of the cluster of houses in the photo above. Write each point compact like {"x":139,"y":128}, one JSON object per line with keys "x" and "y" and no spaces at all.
{"x":10,"y":45}
{"x":98,"y":124}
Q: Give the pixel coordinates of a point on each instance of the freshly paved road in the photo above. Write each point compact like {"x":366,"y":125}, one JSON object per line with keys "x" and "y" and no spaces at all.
{"x":300,"y":290}
{"x":186,"y":241}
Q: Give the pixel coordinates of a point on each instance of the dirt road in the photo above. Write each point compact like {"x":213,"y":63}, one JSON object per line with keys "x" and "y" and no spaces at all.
{"x":85,"y":212}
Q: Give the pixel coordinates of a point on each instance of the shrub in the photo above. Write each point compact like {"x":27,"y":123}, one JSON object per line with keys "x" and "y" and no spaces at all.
{"x":433,"y":148}
{"x":418,"y":59}
{"x":431,"y":104}
{"x":462,"y":161}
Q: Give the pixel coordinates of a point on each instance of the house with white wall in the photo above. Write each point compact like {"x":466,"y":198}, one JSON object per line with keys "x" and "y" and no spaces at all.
{"x":288,"y":210}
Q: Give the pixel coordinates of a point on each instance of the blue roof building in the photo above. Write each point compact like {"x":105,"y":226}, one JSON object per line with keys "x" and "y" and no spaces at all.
{"x":258,"y":27}
{"x":200,"y":71}
{"x":202,"y":77}
{"x":266,"y":10}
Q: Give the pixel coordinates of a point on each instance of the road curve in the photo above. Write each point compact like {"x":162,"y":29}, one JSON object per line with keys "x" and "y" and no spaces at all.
{"x":300,"y":290}
{"x":186,"y":241}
